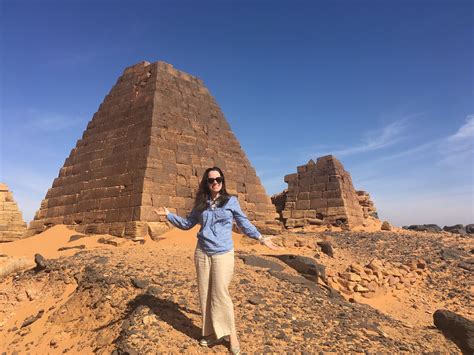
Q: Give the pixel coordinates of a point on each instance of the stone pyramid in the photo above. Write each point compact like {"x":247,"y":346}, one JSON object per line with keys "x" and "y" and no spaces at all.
{"x":321,"y":191}
{"x":12,"y":226}
{"x":147,"y":146}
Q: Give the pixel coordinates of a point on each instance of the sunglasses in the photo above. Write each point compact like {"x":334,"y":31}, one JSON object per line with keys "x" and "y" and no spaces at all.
{"x":219,"y":179}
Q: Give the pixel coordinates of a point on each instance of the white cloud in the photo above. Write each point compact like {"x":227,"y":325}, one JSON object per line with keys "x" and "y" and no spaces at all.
{"x":459,"y":147}
{"x":466,"y":131}
{"x":375,"y":139}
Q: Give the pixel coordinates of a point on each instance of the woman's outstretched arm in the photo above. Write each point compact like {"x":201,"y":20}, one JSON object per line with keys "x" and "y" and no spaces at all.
{"x":247,"y":227}
{"x":180,"y":222}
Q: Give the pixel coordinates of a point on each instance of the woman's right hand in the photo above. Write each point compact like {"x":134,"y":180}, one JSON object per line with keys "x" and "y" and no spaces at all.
{"x":161,"y":211}
{"x":268,"y":242}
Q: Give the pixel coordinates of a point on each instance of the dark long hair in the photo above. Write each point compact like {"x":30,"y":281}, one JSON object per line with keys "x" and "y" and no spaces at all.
{"x":203,"y":193}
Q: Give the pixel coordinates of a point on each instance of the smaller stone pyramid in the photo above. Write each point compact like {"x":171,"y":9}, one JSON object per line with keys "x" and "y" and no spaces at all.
{"x":12,"y":226}
{"x":321,"y":191}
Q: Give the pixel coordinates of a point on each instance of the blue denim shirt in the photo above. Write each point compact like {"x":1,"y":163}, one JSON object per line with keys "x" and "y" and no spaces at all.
{"x":215,"y":235}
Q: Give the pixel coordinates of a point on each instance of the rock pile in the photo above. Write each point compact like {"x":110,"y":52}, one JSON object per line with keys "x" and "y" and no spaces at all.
{"x":147,"y":146}
{"x":321,"y":192}
{"x":377,"y":277}
{"x":12,"y":226}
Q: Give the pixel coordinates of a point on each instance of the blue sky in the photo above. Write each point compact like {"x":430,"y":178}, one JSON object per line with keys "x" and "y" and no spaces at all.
{"x":385,"y":86}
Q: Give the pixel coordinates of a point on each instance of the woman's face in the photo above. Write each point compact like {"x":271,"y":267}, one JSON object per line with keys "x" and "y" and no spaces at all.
{"x":214,"y":181}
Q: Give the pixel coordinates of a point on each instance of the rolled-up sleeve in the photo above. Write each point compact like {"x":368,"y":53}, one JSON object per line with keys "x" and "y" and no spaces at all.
{"x":184,"y":223}
{"x":241,"y":219}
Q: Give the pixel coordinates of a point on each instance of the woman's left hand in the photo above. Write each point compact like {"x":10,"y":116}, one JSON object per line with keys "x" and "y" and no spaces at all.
{"x":267,"y":241}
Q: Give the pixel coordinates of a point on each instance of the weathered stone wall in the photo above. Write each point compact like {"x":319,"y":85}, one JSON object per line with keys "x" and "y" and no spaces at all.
{"x":12,"y":226}
{"x":147,"y":146}
{"x":368,"y":206}
{"x":321,"y":192}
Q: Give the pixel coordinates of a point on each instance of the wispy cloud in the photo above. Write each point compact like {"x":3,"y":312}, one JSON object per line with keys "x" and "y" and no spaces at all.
{"x":459,"y":146}
{"x":379,"y":139}
{"x":375,"y":139}
{"x":466,"y":131}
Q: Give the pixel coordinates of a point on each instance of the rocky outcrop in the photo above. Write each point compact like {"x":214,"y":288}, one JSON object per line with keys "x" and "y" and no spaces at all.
{"x":432,"y":228}
{"x":12,"y":226}
{"x":456,"y":327}
{"x":457,"y":229}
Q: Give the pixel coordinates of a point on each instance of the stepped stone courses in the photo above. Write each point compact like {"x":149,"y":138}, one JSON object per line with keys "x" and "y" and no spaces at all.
{"x":321,"y":191}
{"x":147,"y":146}
{"x":12,"y":226}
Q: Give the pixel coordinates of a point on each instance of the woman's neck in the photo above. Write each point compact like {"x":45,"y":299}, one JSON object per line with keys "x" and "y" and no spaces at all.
{"x":214,"y":195}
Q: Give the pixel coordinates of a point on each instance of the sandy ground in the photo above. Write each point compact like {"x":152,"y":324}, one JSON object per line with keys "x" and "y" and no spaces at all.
{"x":413,"y":307}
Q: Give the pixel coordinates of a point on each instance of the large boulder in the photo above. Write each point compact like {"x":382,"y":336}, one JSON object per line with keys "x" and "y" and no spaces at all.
{"x":304,"y":265}
{"x":434,"y":228}
{"x":386,"y":226}
{"x":457,"y":229}
{"x":457,"y":328}
{"x":10,"y":265}
{"x":470,"y":228}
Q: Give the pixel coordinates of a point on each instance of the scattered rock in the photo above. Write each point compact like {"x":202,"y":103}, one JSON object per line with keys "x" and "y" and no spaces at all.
{"x":470,"y":228}
{"x":80,"y":247}
{"x":32,"y":294}
{"x":101,"y":260}
{"x":40,"y":261}
{"x":452,"y":254}
{"x":154,"y":291}
{"x":386,"y":226}
{"x":74,"y":237}
{"x":108,"y":241}
{"x":261,"y":262}
{"x":467,"y":265}
{"x":256,"y":299}
{"x":139,"y":283}
{"x":456,"y":327}
{"x":326,"y":248}
{"x":32,"y":319}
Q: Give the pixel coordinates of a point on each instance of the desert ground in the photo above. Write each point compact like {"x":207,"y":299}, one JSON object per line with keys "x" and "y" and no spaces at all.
{"x":102,"y":294}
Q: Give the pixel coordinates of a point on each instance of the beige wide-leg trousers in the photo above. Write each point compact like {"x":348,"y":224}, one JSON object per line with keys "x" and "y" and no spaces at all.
{"x":214,"y":274}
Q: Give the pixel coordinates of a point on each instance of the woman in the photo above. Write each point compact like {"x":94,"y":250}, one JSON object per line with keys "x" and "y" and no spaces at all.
{"x":214,"y":209}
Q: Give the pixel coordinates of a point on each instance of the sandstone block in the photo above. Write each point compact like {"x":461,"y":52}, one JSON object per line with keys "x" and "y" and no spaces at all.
{"x":297,"y":214}
{"x":350,"y":276}
{"x":318,"y":203}
{"x":303,"y":204}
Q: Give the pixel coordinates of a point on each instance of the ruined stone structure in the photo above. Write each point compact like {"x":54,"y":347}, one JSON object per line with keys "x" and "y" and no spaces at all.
{"x":368,"y":206}
{"x":147,"y":146}
{"x":321,"y":192}
{"x":12,"y":226}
